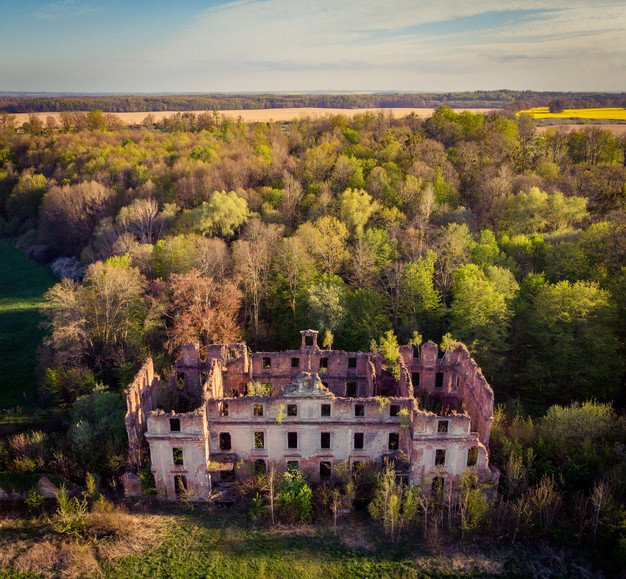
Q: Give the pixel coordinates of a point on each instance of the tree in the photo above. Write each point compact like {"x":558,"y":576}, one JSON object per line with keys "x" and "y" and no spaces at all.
{"x":182,"y":253}
{"x":69,"y":214}
{"x":394,"y":504}
{"x":203,"y":310}
{"x":481,"y":312}
{"x":420,"y":302}
{"x":252,"y":256}
{"x":572,"y":345}
{"x":389,"y":350}
{"x":102,"y":322}
{"x":221,"y":215}
{"x":330,"y":244}
{"x":323,"y":305}
{"x":356,"y":209}
{"x":143,"y":219}
{"x":294,"y":264}
{"x":538,"y":211}
{"x":452,"y":249}
{"x":369,"y":255}
{"x":365,"y":319}
{"x":291,"y":197}
{"x":26,"y":197}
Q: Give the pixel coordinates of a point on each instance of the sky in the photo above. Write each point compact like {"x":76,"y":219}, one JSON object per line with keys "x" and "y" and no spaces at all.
{"x":180,"y":46}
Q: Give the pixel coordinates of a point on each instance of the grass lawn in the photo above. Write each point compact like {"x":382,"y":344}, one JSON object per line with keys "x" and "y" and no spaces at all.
{"x":615,"y":114}
{"x":22,"y":285}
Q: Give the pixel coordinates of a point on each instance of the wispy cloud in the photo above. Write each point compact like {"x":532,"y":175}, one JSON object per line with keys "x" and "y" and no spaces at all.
{"x":330,"y":44}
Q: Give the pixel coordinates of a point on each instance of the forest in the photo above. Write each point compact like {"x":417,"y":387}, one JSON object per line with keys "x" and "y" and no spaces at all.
{"x":517,"y":100}
{"x":459,"y":227}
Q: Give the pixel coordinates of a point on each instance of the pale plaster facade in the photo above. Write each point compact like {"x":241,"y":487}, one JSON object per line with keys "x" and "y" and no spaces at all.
{"x":325,"y":407}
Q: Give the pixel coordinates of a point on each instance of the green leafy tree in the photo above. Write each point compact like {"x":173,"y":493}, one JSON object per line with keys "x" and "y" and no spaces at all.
{"x":323,"y":305}
{"x":223,"y":214}
{"x":295,"y":497}
{"x":389,"y":349}
{"x":420,"y":301}
{"x":356,"y":209}
{"x":572,"y":345}
{"x":24,"y":201}
{"x":481,"y":312}
{"x":366,"y":319}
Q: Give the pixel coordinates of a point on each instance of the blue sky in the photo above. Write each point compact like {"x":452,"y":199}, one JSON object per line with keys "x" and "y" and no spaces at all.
{"x":297,"y":45}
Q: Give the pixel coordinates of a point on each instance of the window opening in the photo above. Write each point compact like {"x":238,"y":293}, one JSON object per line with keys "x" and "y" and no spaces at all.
{"x":224,"y":409}
{"x":323,"y":365}
{"x":295,"y":362}
{"x":439,"y":380}
{"x":394,"y":441}
{"x":180,"y":484}
{"x":293,"y":465}
{"x":292,"y":410}
{"x":259,"y":466}
{"x":225,"y":441}
{"x":175,"y":424}
{"x":292,"y":440}
{"x":325,"y":409}
{"x":359,"y":410}
{"x":325,"y":440}
{"x":177,"y":455}
{"x":358,"y":440}
{"x":442,"y":426}
{"x":440,"y":457}
{"x":351,"y":389}
{"x":415,"y":378}
{"x":267,"y":362}
{"x":258,"y":410}
{"x":352,"y":362}
{"x":394,"y":410}
{"x":472,"y":456}
{"x":325,"y":470}
{"x":259,"y":440}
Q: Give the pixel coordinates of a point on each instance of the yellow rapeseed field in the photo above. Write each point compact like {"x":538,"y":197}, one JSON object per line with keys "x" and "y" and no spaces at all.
{"x":605,"y":113}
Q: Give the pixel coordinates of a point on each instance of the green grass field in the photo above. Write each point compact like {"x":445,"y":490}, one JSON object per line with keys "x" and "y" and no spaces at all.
{"x":223,"y":543}
{"x":613,"y":114}
{"x":173,"y":542}
{"x":22,"y":285}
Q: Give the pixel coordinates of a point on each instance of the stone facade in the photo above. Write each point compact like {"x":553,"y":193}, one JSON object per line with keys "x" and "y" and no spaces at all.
{"x":309,"y":409}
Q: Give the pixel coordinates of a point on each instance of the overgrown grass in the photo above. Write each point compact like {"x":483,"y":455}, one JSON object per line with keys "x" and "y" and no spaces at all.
{"x":225,"y":544}
{"x":22,"y":285}
{"x":616,"y":114}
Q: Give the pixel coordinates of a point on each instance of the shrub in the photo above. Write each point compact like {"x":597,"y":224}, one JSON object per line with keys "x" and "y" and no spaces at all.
{"x":295,"y":497}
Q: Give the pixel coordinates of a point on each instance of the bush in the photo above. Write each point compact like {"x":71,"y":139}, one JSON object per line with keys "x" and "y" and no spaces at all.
{"x":295,"y":497}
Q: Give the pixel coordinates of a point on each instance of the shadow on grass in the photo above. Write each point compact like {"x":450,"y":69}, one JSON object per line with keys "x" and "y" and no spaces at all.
{"x":22,"y":285}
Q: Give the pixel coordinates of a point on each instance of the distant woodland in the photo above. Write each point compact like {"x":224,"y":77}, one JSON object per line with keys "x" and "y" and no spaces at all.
{"x":515,"y":100}
{"x":463,"y":226}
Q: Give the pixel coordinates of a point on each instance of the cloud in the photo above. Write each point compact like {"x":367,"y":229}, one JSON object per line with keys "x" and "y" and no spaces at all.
{"x":331,"y":44}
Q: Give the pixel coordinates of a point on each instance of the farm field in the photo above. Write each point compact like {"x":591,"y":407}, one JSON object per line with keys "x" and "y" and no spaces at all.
{"x":22,"y":285}
{"x":263,"y":115}
{"x":617,"y":130}
{"x":616,"y":114}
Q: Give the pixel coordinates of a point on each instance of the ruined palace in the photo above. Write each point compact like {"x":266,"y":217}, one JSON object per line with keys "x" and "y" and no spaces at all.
{"x":228,"y":415}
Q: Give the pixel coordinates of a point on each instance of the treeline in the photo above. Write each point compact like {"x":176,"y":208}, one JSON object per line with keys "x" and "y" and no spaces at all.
{"x":152,"y":103}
